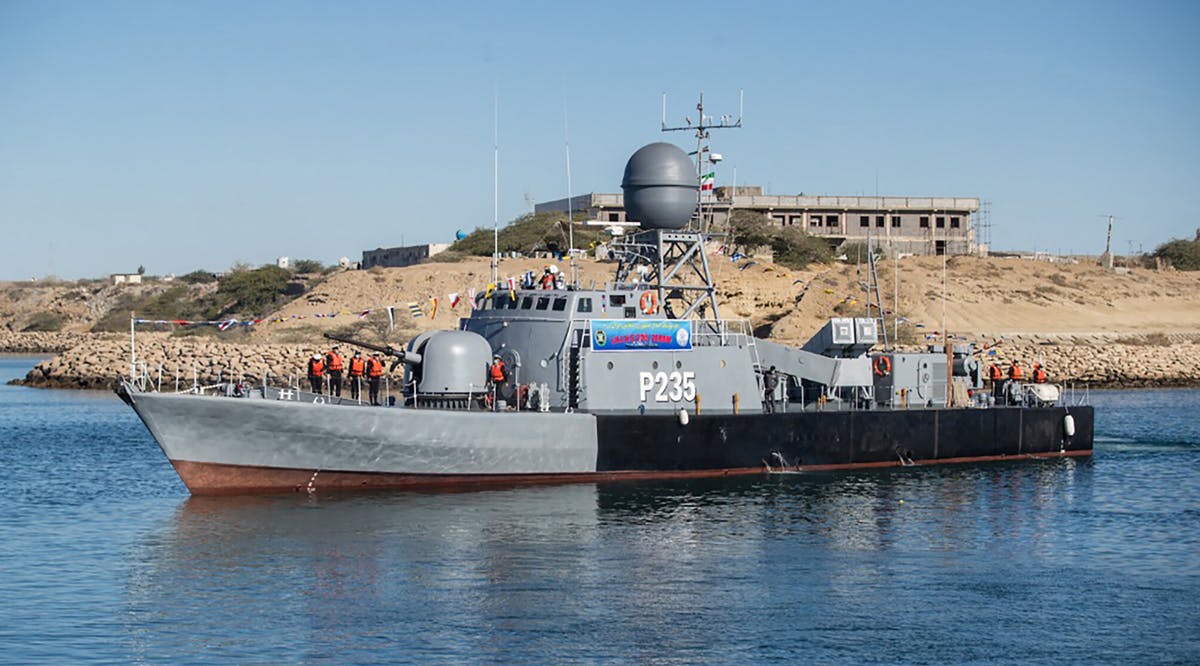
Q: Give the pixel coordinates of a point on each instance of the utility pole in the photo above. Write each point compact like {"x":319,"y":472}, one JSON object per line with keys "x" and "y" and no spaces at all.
{"x":705,"y":158}
{"x":1106,"y":259}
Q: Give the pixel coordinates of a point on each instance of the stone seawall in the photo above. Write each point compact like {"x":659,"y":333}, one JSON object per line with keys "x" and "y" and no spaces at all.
{"x":45,"y":342}
{"x":97,"y":363}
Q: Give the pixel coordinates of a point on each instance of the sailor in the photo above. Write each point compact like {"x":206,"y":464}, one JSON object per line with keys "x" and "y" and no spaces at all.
{"x":316,"y":372}
{"x":333,"y":367}
{"x":374,"y":372}
{"x":547,"y":281}
{"x":996,"y":375}
{"x":497,"y":373}
{"x":1014,"y":372}
{"x":358,"y":366}
{"x":1039,"y":374}
{"x":770,"y":383}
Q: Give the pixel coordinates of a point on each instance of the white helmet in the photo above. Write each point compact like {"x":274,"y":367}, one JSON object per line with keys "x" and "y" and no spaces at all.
{"x":553,"y":269}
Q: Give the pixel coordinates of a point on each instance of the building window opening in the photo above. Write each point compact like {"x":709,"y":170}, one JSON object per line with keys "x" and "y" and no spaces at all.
{"x":941,"y":222}
{"x":879,"y":221}
{"x":924,"y":221}
{"x":781,"y":219}
{"x":831,"y":220}
{"x":954,"y":223}
{"x":864,"y":220}
{"x":614,"y":217}
{"x":814,"y":221}
{"x":896,"y":221}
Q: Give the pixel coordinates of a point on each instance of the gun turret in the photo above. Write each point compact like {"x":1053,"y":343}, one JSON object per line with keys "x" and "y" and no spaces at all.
{"x":401,"y":355}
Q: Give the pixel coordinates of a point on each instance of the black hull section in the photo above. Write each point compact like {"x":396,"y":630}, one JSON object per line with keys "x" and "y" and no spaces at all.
{"x":837,"y":439}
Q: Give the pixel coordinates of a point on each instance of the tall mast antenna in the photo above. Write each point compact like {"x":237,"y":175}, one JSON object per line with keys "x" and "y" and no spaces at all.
{"x":705,"y":158}
{"x":495,"y":186}
{"x":570,"y":201}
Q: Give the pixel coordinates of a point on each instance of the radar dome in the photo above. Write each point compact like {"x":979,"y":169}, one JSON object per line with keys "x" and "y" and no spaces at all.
{"x":660,"y":187}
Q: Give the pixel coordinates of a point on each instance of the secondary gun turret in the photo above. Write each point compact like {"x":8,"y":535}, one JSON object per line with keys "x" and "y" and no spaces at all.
{"x":401,"y":355}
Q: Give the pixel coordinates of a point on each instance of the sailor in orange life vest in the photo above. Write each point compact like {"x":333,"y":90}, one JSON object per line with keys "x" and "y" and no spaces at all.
{"x":497,"y":375}
{"x":549,"y":277}
{"x":1014,"y":372}
{"x":316,"y":370}
{"x":996,"y":375}
{"x":358,"y":366}
{"x":333,"y":367}
{"x":1039,"y":374}
{"x":374,"y":369}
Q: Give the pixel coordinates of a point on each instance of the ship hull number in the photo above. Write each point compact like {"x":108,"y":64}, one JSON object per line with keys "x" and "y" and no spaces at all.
{"x":668,"y":387}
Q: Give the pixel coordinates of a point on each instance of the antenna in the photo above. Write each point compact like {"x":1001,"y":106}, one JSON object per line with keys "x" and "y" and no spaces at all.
{"x":1106,"y":259}
{"x":706,"y":160}
{"x":496,"y":186}
{"x":570,"y":201}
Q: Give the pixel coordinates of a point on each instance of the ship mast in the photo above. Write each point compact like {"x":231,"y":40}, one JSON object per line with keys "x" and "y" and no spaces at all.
{"x":706,"y":160}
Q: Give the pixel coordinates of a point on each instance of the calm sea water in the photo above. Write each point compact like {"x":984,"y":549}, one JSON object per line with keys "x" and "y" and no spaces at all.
{"x":105,"y":558}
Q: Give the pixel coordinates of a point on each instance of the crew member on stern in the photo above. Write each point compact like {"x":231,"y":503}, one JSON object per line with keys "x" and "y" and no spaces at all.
{"x":996,"y":375}
{"x":770,"y":383}
{"x":333,"y":366}
{"x":1039,"y":374}
{"x":374,"y":373}
{"x":358,"y":366}
{"x":316,"y":372}
{"x":497,"y":375}
{"x":1014,"y":372}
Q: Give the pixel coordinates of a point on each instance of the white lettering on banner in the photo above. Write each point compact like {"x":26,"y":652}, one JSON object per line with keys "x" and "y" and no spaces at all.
{"x":671,"y":387}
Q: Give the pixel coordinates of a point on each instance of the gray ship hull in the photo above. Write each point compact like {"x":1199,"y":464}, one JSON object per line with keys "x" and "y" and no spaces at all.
{"x":221,"y":445}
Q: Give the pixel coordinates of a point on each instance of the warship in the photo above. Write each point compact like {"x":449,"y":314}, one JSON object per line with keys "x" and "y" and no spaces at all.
{"x":640,"y":378}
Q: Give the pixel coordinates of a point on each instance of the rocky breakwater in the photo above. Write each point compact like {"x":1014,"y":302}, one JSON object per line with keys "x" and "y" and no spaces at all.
{"x":97,"y":363}
{"x":40,"y":342}
{"x":1108,"y":361}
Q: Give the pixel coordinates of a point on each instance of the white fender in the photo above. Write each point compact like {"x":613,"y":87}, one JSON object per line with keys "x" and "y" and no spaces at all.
{"x":683,"y":417}
{"x":1069,"y":425}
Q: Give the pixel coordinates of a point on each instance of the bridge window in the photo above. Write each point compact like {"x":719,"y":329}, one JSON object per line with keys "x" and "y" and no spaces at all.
{"x":527,"y":303}
{"x":512,"y":304}
{"x":560,"y":304}
{"x":584,"y":305}
{"x":543,"y":302}
{"x":617,"y":299}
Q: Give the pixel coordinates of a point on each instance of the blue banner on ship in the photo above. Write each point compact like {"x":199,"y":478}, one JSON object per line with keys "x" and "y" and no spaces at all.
{"x":641,"y":335}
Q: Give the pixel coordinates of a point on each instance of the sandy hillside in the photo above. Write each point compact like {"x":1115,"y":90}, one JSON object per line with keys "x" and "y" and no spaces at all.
{"x":985,"y":297}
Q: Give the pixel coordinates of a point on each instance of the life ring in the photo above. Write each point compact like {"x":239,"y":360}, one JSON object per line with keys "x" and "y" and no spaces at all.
{"x":649,"y":302}
{"x":319,"y":400}
{"x":883,"y":366}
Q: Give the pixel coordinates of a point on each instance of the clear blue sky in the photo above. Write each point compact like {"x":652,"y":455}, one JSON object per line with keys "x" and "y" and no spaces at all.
{"x":192,"y":135}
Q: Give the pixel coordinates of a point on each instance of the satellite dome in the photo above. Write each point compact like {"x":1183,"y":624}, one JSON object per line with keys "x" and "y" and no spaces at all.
{"x":660,"y":187}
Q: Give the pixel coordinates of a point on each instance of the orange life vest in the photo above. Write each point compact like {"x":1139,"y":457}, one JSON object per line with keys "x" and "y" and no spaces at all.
{"x":316,"y":367}
{"x":994,"y":372}
{"x":374,"y":367}
{"x":1015,"y":372}
{"x":547,"y":281}
{"x":357,"y":365}
{"x":335,"y":361}
{"x":497,"y":372}
{"x":1039,"y":376}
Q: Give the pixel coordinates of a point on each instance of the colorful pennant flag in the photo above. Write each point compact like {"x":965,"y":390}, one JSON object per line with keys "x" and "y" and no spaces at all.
{"x":433,"y":300}
{"x":414,"y":309}
{"x":454,"y":299}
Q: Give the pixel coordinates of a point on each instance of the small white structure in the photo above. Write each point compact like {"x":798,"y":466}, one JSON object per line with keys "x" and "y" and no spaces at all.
{"x":284,"y":262}
{"x":127,"y":278}
{"x":344,"y":262}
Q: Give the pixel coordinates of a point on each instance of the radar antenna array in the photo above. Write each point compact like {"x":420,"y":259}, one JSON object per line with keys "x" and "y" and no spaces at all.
{"x":705,"y":158}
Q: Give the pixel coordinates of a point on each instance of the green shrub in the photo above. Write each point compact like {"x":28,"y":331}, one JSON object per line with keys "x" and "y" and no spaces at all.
{"x":308,"y":266}
{"x":795,"y":249}
{"x":547,"y":232}
{"x":751,"y":229}
{"x":249,"y":292}
{"x":44,"y":321}
{"x":197,"y":277}
{"x":1184,"y":255}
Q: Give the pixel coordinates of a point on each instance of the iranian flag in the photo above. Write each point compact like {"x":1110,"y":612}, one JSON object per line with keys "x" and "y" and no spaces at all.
{"x":707,"y":180}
